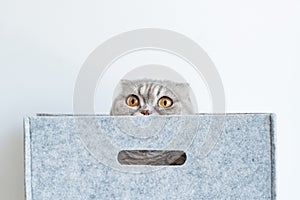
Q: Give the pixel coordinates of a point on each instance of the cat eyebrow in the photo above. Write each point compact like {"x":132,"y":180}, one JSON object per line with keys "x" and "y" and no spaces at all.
{"x":144,"y":87}
{"x":159,"y":90}
{"x":139,"y":92}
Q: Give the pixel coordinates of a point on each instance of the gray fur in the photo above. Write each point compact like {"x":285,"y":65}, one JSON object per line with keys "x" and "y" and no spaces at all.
{"x":149,"y":92}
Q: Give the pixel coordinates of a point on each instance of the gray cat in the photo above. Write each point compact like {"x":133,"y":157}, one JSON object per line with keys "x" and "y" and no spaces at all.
{"x":152,"y":97}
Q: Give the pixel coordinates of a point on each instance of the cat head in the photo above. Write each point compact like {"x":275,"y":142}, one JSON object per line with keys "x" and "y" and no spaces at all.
{"x":152,"y":97}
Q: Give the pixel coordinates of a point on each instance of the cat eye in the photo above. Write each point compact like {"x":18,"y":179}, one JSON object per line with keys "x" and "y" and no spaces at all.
{"x":133,"y":101}
{"x":165,"y":102}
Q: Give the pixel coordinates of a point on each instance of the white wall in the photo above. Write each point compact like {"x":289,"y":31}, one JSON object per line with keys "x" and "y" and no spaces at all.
{"x":254,"y":44}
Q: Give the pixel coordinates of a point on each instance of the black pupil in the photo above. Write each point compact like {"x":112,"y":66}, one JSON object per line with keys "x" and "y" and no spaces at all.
{"x":132,"y":101}
{"x":165,"y":102}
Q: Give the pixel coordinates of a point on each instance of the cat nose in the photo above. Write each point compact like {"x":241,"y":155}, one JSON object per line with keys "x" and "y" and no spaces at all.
{"x":145,"y":112}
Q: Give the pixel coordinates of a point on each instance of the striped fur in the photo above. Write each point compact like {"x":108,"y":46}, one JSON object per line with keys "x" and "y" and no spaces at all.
{"x":149,"y":92}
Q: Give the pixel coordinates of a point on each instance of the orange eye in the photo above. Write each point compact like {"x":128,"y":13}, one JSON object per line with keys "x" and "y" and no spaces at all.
{"x":165,"y":102}
{"x":133,"y":101}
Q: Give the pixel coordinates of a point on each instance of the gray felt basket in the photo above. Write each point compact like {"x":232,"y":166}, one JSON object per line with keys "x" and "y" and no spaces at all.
{"x":228,"y":156}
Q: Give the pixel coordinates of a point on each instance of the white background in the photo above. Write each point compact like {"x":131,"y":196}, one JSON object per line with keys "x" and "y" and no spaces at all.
{"x":255,"y":46}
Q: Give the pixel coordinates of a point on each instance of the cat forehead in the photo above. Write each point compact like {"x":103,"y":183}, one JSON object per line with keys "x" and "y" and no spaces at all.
{"x":141,"y":83}
{"x":149,"y":87}
{"x":153,"y":86}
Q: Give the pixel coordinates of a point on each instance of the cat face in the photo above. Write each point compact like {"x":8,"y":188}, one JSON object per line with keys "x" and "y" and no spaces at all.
{"x":152,"y":97}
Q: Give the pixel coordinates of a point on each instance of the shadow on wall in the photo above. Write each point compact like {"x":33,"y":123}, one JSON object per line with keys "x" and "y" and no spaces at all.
{"x":12,"y":165}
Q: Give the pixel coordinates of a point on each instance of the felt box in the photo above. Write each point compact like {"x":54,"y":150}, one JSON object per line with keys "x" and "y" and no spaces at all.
{"x":226,"y":156}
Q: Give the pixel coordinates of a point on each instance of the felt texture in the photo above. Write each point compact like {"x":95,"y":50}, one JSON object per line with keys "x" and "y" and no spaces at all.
{"x":64,"y":157}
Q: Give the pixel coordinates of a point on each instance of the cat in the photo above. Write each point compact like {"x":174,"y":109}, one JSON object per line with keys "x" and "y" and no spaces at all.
{"x":152,"y":97}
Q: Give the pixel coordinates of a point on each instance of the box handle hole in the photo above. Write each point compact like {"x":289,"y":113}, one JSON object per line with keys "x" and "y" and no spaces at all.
{"x":151,"y":157}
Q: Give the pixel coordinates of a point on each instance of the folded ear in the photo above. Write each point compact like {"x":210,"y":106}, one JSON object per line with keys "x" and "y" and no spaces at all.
{"x":125,"y":83}
{"x":183,"y":89}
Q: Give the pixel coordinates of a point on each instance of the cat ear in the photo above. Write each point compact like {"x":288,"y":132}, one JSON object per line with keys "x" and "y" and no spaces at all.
{"x":183,"y":89}
{"x":183,"y":85}
{"x":125,"y":83}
